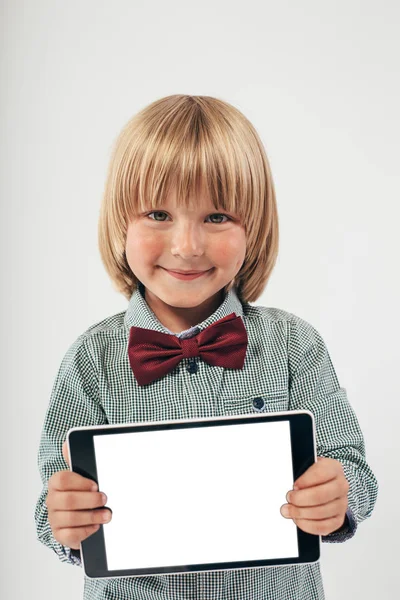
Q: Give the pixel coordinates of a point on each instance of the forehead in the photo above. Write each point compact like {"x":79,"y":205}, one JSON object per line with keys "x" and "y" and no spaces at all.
{"x":200,"y":200}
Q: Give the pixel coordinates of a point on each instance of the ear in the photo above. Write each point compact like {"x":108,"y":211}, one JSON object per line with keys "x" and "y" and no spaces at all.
{"x":65,"y":452}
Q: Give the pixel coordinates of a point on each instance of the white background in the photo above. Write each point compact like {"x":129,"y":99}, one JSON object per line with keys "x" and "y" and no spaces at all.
{"x":320,"y":82}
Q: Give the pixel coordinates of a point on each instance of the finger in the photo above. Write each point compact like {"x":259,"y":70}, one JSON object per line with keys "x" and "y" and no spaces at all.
{"x":65,"y":453}
{"x":316,"y":513}
{"x":73,"y":537}
{"x":68,"y":480}
{"x":77,"y":500}
{"x":65,"y":519}
{"x":324,"y":527}
{"x":320,"y":472}
{"x":319,"y":494}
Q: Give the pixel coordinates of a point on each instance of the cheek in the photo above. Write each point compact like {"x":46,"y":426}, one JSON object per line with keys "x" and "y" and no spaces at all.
{"x":143,"y":244}
{"x":231,"y":249}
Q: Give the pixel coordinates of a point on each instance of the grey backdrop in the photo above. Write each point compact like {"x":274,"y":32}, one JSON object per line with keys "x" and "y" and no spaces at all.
{"x":320,"y":82}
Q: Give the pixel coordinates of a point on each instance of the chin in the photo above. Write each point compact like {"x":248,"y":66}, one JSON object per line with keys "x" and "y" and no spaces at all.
{"x":190,"y":301}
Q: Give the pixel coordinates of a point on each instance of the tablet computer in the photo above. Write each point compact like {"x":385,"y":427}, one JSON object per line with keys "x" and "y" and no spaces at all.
{"x":196,"y":495}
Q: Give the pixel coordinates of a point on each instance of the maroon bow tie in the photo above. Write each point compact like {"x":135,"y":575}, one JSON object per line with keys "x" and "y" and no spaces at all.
{"x":153,"y":354}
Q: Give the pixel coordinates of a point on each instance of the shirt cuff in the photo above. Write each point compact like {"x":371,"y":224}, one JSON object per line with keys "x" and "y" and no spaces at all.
{"x":73,"y":556}
{"x":346,"y":532}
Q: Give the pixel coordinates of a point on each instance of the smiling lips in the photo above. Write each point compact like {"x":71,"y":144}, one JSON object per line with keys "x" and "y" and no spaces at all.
{"x":187,"y":275}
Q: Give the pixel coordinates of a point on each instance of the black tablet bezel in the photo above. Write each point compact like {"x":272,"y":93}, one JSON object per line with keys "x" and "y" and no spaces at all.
{"x":82,"y":460}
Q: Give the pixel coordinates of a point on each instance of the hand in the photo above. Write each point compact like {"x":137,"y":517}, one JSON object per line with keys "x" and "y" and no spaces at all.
{"x":70,"y":502}
{"x":319,"y":504}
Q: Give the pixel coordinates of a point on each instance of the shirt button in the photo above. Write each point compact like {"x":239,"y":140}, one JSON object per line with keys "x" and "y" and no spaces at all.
{"x":259,"y":403}
{"x":192,"y":367}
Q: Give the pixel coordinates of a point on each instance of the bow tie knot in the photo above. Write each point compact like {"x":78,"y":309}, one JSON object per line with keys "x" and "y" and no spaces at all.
{"x":190,"y":347}
{"x":153,"y":354}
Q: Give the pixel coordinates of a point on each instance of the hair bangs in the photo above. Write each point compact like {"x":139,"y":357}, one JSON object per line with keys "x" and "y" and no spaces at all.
{"x":193,"y":153}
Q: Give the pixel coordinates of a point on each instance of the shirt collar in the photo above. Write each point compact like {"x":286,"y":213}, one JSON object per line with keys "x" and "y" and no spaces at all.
{"x":139,"y":313}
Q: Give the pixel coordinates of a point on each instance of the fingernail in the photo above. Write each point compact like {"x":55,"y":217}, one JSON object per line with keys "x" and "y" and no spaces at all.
{"x":103,"y":498}
{"x":106,"y":516}
{"x":285,"y":510}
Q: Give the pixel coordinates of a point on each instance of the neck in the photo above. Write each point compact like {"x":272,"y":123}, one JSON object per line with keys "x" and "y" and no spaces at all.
{"x":177,"y":319}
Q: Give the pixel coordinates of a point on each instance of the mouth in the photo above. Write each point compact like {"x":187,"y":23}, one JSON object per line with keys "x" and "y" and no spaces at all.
{"x":186,"y":274}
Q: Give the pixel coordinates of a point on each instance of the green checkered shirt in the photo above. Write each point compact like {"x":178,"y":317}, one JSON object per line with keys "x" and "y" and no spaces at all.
{"x":287,"y":366}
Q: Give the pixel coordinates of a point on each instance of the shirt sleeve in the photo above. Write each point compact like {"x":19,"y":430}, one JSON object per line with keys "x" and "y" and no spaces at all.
{"x":74,"y":402}
{"x":314,"y":386}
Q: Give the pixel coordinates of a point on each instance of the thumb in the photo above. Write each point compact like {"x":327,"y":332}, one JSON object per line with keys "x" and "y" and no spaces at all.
{"x":65,"y":452}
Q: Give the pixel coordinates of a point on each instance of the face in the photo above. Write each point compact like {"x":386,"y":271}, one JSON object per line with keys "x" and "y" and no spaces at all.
{"x":173,"y":238}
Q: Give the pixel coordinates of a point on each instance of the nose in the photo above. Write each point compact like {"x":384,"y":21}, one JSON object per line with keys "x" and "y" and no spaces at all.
{"x":187,"y":241}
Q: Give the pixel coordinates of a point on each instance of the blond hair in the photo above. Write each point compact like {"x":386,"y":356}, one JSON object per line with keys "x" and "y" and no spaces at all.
{"x":187,"y":141}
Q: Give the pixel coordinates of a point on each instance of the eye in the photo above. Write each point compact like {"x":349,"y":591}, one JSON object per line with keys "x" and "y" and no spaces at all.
{"x":161,"y":216}
{"x":219,"y":215}
{"x":157,"y":212}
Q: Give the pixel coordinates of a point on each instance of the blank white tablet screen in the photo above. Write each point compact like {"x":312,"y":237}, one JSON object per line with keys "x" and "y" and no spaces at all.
{"x":196,"y":495}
